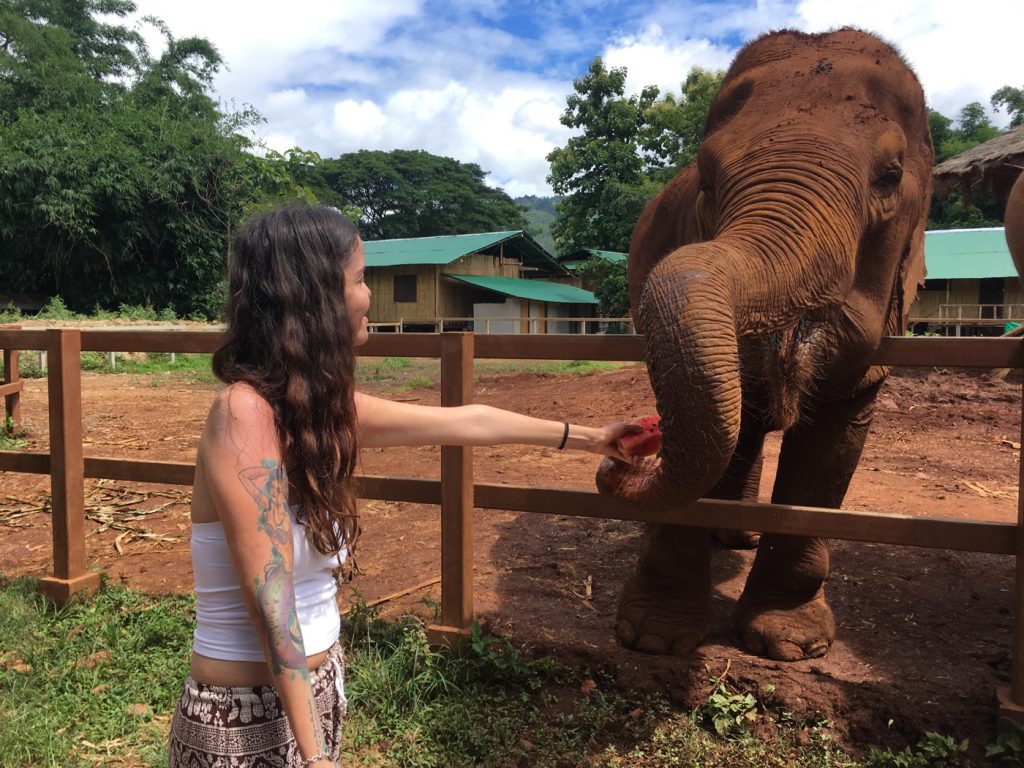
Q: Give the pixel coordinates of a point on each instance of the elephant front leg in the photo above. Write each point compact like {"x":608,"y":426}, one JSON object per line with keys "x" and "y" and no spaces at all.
{"x":665,"y":605}
{"x":782,"y":612}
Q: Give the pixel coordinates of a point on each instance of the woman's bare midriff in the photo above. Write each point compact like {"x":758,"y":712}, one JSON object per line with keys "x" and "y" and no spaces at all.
{"x":238,"y":674}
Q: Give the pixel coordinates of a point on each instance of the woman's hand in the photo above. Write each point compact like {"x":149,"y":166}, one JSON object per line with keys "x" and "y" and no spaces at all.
{"x":605,"y":440}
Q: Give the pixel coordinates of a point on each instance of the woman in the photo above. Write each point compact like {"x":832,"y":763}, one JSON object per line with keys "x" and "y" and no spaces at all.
{"x":273,"y":508}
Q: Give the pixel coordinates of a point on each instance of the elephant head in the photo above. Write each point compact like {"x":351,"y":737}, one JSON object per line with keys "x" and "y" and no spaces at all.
{"x":767,"y":271}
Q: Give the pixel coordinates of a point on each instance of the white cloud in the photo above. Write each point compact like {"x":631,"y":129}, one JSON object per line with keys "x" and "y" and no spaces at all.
{"x":415,"y":74}
{"x":653,"y":59}
{"x":357,"y":121}
{"x":961,"y":53}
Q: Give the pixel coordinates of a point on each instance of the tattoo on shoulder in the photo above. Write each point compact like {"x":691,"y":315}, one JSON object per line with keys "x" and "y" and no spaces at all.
{"x":267,"y":484}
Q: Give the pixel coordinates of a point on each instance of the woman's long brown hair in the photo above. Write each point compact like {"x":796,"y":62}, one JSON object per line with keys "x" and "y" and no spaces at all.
{"x":289,"y":337}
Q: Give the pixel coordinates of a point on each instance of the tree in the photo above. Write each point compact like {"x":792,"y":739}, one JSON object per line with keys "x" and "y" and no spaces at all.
{"x":941,"y":130}
{"x":607,"y":279}
{"x":972,"y":127}
{"x":600,"y":171}
{"x":1012,"y":100}
{"x":412,"y":193}
{"x":627,"y":149}
{"x":55,"y":53}
{"x":675,"y":126}
{"x":120,"y":179}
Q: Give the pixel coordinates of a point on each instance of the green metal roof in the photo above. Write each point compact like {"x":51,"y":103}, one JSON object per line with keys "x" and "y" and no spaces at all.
{"x":574,"y":259}
{"x":953,"y":254}
{"x":444,"y":249}
{"x":533,"y":290}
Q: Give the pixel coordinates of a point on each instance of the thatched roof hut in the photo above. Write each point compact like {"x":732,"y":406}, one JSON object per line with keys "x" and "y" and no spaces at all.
{"x":994,"y":164}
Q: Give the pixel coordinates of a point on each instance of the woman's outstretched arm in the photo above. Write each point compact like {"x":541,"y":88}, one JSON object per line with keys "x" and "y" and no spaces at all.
{"x":384,"y":423}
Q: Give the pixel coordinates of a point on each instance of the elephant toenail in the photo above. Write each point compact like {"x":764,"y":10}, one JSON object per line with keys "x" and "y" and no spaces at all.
{"x":754,"y":643}
{"x":817,"y":649}
{"x":785,"y":650}
{"x":683,"y":647}
{"x":651,"y":644}
{"x":626,"y":633}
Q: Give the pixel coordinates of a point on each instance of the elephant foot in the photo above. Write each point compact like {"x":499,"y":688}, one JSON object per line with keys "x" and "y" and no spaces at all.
{"x":737,"y":539}
{"x":655,"y":622}
{"x":665,"y":607}
{"x":804,"y":631}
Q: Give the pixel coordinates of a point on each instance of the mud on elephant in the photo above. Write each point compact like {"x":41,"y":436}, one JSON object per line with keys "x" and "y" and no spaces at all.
{"x":763,"y":277}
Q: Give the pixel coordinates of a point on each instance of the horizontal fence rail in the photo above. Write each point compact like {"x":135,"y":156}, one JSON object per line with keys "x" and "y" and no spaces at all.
{"x":455,"y":491}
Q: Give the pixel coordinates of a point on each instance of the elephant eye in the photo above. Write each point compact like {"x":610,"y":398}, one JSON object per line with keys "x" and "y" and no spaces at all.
{"x":890,"y":177}
{"x":707,"y":190}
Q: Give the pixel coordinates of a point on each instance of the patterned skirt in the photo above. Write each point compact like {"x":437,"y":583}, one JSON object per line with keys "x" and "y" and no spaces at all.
{"x":219,"y":727}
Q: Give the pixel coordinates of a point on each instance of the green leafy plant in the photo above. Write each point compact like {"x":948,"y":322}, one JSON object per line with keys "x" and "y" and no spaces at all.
{"x":12,"y":438}
{"x":10,"y":314}
{"x":500,"y":661}
{"x":55,"y":309}
{"x":1008,"y":747}
{"x":132,"y":312}
{"x":729,"y":712}
{"x":933,"y":749}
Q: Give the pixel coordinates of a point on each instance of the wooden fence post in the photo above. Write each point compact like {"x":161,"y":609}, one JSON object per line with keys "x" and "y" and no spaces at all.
{"x":67,"y":468}
{"x":1011,"y":697}
{"x":12,"y":382}
{"x":456,"y":499}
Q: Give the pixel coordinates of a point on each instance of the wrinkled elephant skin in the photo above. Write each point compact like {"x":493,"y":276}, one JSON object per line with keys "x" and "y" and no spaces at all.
{"x":763,"y":278}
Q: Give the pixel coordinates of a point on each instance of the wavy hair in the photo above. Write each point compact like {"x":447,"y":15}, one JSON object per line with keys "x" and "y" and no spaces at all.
{"x":289,"y":337}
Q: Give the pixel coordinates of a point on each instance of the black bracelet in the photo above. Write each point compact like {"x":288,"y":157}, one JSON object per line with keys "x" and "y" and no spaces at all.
{"x":565,"y":436}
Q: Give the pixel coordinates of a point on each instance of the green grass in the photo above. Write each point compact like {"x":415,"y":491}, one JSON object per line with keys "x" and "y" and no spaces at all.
{"x":554,"y":367}
{"x":492,"y":706}
{"x":106,"y":672}
{"x":186,"y":367}
{"x":96,"y":682}
{"x":389,"y":374}
{"x":402,"y":374}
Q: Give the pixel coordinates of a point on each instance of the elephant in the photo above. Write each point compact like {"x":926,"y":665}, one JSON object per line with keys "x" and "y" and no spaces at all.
{"x":1015,"y":224}
{"x":763,"y":277}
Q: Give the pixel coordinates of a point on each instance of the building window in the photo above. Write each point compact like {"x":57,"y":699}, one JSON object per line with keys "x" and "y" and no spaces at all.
{"x":405,"y":288}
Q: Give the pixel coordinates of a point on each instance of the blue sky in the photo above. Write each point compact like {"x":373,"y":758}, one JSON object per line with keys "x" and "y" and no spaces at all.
{"x":486,"y":81}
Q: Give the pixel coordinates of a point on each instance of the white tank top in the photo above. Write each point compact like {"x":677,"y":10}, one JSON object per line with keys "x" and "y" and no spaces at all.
{"x":223,"y":628}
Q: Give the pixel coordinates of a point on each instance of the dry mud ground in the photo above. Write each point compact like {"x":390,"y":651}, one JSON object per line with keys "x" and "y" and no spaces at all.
{"x":924,"y":636}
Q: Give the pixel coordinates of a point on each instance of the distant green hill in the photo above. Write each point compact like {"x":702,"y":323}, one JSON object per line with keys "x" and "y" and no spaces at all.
{"x":540,"y":212}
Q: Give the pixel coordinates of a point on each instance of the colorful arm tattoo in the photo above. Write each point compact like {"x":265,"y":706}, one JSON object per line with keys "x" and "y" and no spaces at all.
{"x":275,"y":591}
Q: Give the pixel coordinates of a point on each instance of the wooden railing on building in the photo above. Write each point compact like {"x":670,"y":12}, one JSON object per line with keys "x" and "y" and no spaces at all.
{"x":959,"y":316}
{"x":455,"y":490}
{"x":498,"y":325}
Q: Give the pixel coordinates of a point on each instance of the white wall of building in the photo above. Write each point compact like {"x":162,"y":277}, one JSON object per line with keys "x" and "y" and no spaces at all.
{"x":512,"y":308}
{"x":508,"y":309}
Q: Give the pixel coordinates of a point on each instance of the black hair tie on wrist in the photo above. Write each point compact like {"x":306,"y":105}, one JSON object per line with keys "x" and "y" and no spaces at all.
{"x":565,"y":436}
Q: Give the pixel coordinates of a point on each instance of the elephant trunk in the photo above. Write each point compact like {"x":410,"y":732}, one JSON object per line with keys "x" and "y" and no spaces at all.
{"x":686,"y":316}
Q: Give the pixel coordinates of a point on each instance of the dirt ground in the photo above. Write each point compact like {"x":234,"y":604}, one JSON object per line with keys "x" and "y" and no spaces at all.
{"x":924,"y":636}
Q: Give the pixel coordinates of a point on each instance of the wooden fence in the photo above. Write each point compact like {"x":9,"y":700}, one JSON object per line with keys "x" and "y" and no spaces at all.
{"x":455,"y":490}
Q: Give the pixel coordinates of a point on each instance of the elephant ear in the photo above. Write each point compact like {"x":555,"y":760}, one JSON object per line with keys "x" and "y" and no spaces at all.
{"x":669,"y":221}
{"x":909,"y":278}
